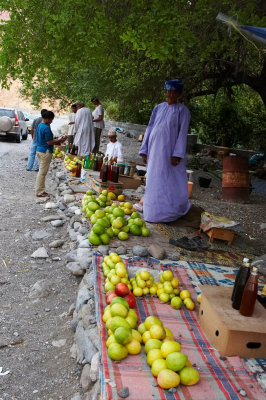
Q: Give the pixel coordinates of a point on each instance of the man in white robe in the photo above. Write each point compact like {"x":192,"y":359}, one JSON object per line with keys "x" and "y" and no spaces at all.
{"x":84,"y":138}
{"x":114,"y":148}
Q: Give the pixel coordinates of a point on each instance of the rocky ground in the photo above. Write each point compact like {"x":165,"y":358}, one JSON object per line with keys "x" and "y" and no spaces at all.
{"x":46,"y":308}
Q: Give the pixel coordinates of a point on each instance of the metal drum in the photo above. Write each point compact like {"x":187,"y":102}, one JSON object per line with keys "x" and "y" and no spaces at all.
{"x":236,"y":183}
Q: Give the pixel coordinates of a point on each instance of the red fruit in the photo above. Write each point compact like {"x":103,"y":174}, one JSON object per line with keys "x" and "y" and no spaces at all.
{"x":131,"y":300}
{"x":121,"y":289}
{"x":110,"y":298}
{"x":108,"y":293}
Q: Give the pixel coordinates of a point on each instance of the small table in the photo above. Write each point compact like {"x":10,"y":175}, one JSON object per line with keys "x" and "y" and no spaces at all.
{"x":222,"y":234}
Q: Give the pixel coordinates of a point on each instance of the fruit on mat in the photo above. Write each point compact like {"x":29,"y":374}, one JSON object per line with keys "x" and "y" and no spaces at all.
{"x":167,"y":379}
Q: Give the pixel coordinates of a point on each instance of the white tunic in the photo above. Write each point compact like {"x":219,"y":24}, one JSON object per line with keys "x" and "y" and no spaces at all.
{"x":115,"y":150}
{"x":96,"y":113}
{"x":84,"y":138}
{"x":71,"y":128}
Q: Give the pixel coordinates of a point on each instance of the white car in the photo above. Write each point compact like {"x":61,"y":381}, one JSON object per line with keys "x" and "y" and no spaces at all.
{"x":13,"y":124}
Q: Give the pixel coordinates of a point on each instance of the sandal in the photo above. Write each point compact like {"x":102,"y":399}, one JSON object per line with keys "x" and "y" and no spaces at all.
{"x":44,"y":194}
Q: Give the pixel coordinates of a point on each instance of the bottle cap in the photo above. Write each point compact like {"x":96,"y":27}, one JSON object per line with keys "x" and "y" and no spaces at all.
{"x":245,"y":260}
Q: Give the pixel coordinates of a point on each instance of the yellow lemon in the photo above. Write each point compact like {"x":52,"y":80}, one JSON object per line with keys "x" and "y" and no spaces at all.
{"x":174,"y":283}
{"x":152,"y":344}
{"x":189,"y":376}
{"x":169,"y":347}
{"x":184,"y":294}
{"x":153,"y":355}
{"x":151,"y":320}
{"x":144,"y":275}
{"x":167,"y":275}
{"x":168,"y":379}
{"x":189,"y":304}
{"x":157,"y":366}
{"x":134,"y":346}
{"x":106,"y":315}
{"x":115,"y":257}
{"x":169,"y":333}
{"x":121,"y":197}
{"x":146,"y":291}
{"x":110,"y":340}
{"x":199,"y":298}
{"x":138,"y":292}
{"x":157,"y":332}
{"x":146,"y":336}
{"x":142,"y":328}
{"x":136,"y":335}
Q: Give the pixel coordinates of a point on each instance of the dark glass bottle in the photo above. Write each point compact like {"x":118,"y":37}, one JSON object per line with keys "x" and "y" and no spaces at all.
{"x":105,"y":173}
{"x":109,"y":176}
{"x":240,"y":286}
{"x":245,"y":261}
{"x":115,"y":173}
{"x":250,"y":294}
{"x":78,"y":170}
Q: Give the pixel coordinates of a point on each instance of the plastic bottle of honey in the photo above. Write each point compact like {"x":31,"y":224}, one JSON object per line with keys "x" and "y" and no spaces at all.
{"x":250,"y":294}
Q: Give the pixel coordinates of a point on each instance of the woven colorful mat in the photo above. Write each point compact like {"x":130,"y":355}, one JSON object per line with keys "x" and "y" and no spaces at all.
{"x":221,"y":378}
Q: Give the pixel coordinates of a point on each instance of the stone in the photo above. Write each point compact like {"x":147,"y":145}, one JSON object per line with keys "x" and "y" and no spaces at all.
{"x":103,"y":249}
{"x":263,"y":226}
{"x":76,"y":226}
{"x":56,"y":243}
{"x":66,"y":191}
{"x":75,"y":268}
{"x":85,"y":348}
{"x":93,"y":335}
{"x":242,"y":392}
{"x":84,"y":244}
{"x":73,"y":235}
{"x":78,"y":212}
{"x":71,"y":309}
{"x":61,"y":206}
{"x":39,"y":235}
{"x":121,"y":250}
{"x":61,"y":175}
{"x":69,"y":198}
{"x":72,"y":208}
{"x":83,"y":255}
{"x":75,"y":218}
{"x":94,"y":371}
{"x":89,"y":279}
{"x":94,"y":393}
{"x":173,"y":256}
{"x":73,"y":351}
{"x":83,"y":230}
{"x":50,"y":205}
{"x":76,"y":397}
{"x":124,"y":392}
{"x":57,"y":223}
{"x":74,"y":324}
{"x":40,"y":253}
{"x":71,"y":256}
{"x":49,"y":218}
{"x":59,"y":343}
{"x":140,"y":251}
{"x":156,"y":251}
{"x":85,"y":380}
{"x":40,"y":289}
{"x":172,"y":390}
{"x":82,"y":297}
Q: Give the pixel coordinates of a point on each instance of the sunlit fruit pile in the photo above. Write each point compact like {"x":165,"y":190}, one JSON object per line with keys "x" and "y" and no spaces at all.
{"x":70,"y":165}
{"x":166,"y":289}
{"x":57,"y":153}
{"x":119,"y":317}
{"x":111,"y":221}
{"x":167,"y":362}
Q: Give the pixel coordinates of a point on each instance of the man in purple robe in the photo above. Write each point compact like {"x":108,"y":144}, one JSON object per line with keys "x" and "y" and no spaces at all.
{"x":164,"y":150}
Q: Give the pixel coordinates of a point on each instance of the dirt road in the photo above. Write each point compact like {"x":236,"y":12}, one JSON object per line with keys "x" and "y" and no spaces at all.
{"x":37,"y":369}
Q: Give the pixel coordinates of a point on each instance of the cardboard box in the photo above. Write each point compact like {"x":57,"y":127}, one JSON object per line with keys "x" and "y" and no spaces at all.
{"x":230,"y":332}
{"x":130,"y":182}
{"x":98,"y":186}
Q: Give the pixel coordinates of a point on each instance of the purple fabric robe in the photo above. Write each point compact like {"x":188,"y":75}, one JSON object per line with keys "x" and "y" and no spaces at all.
{"x":166,"y":194}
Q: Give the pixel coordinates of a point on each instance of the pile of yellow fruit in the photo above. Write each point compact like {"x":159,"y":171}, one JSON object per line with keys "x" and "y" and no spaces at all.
{"x":121,"y":322}
{"x":166,"y":289}
{"x":168,"y":364}
{"x":70,"y":165}
{"x":115,"y":272}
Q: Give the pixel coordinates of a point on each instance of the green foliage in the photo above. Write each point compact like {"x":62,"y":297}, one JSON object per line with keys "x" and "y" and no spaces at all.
{"x":238,"y":120}
{"x":123,"y":50}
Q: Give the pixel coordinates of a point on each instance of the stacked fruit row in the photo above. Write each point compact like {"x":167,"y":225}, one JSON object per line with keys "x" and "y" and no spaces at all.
{"x":70,"y":164}
{"x":111,"y":221}
{"x":167,"y":362}
{"x":166,"y":289}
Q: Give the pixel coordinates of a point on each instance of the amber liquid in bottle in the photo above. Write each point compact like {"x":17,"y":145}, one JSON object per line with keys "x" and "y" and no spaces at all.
{"x":250,"y":294}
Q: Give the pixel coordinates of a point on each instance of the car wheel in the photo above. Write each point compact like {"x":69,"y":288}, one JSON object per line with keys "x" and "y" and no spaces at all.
{"x":19,"y":137}
{"x":25,"y":136}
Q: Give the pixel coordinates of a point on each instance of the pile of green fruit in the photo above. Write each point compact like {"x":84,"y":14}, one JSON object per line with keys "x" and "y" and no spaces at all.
{"x":57,"y":153}
{"x":70,"y":165}
{"x":110,"y":221}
